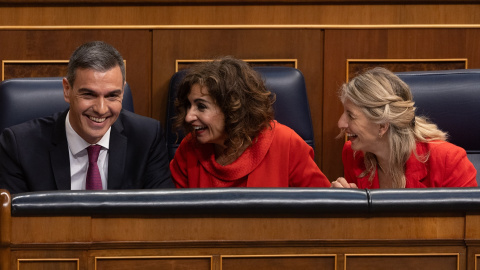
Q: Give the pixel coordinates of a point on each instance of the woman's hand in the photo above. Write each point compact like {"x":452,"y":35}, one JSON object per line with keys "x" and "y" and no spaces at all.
{"x":342,"y":183}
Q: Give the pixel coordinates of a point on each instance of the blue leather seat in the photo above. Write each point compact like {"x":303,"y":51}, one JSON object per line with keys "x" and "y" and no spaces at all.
{"x":23,"y":99}
{"x":291,"y":106}
{"x":451,"y":99}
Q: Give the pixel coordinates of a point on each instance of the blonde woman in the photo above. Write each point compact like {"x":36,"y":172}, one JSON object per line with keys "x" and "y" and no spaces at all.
{"x":388,"y":145}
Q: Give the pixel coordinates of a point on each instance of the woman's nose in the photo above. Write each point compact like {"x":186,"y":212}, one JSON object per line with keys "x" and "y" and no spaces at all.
{"x":342,"y":122}
{"x":191,"y":116}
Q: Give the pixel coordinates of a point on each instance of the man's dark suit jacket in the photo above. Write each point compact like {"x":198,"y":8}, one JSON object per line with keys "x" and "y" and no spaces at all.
{"x":34,"y":155}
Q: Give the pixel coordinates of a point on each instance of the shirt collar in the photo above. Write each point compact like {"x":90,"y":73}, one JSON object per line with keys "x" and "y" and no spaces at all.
{"x":77,"y":143}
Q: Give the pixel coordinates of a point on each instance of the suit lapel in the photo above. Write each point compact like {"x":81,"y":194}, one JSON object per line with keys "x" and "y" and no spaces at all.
{"x":59,"y":156}
{"x":117,"y":155}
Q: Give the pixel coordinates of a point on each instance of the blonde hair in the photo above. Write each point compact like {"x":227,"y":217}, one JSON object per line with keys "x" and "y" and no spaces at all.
{"x":385,"y":98}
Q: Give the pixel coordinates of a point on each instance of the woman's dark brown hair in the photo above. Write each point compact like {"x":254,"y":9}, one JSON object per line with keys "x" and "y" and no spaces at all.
{"x":240,"y":93}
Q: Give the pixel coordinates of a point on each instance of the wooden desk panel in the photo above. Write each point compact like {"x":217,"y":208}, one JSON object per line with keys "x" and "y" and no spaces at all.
{"x":402,"y":261}
{"x":153,"y":262}
{"x":51,"y":229}
{"x":52,"y":263}
{"x":279,"y":262}
{"x":276,"y":229}
{"x":241,"y":241}
{"x":197,"y":242}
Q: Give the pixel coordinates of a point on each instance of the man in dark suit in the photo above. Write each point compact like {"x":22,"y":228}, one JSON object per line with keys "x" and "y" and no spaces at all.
{"x":56,"y":152}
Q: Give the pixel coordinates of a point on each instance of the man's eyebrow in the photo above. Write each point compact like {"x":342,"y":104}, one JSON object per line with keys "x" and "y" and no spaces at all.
{"x":85,"y":90}
{"x":115,"y":92}
{"x":90,"y":91}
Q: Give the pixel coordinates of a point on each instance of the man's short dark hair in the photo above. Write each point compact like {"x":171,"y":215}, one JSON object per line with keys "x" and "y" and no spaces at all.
{"x":96,"y":55}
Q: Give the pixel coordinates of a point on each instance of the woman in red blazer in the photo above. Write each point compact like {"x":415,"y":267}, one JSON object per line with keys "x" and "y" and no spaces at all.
{"x":389,"y":146}
{"x":232,"y":138}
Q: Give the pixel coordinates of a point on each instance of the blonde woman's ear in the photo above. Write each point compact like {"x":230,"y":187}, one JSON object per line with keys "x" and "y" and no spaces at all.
{"x":383,"y":129}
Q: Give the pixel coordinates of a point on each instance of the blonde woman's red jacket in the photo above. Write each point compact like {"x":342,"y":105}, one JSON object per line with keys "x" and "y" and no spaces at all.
{"x":447,"y":166}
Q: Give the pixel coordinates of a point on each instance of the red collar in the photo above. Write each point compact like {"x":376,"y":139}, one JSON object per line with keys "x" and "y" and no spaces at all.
{"x":243,"y":165}
{"x":415,"y":170}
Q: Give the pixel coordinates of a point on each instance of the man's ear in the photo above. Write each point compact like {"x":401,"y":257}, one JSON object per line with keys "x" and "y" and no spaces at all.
{"x":66,"y":90}
{"x":123,"y":89}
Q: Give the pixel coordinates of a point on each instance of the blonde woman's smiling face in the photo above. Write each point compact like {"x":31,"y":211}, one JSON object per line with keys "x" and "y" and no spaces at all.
{"x":361,"y":131}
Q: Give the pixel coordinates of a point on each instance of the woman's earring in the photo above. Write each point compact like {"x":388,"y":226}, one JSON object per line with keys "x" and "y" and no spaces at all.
{"x":380,"y":135}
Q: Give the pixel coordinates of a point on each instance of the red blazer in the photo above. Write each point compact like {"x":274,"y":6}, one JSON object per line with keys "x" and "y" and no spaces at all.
{"x":279,"y":157}
{"x":447,"y":166}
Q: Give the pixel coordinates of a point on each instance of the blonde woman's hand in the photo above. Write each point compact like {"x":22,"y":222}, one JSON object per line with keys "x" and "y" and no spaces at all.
{"x":342,"y":183}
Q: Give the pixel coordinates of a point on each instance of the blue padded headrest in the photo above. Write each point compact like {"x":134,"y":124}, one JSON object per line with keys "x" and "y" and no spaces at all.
{"x":291,"y":105}
{"x":23,"y":99}
{"x":174,"y":137}
{"x":450,"y":99}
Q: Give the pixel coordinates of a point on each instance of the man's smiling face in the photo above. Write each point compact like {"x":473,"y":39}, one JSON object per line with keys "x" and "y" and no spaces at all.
{"x":95,"y":101}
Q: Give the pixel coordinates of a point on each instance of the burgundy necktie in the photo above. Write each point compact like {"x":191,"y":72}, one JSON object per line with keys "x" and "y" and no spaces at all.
{"x":94,"y":181}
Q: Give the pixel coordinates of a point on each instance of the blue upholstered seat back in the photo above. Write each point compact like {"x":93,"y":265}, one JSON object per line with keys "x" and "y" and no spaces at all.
{"x":451,"y":99}
{"x":291,"y":105}
{"x":24,"y":99}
